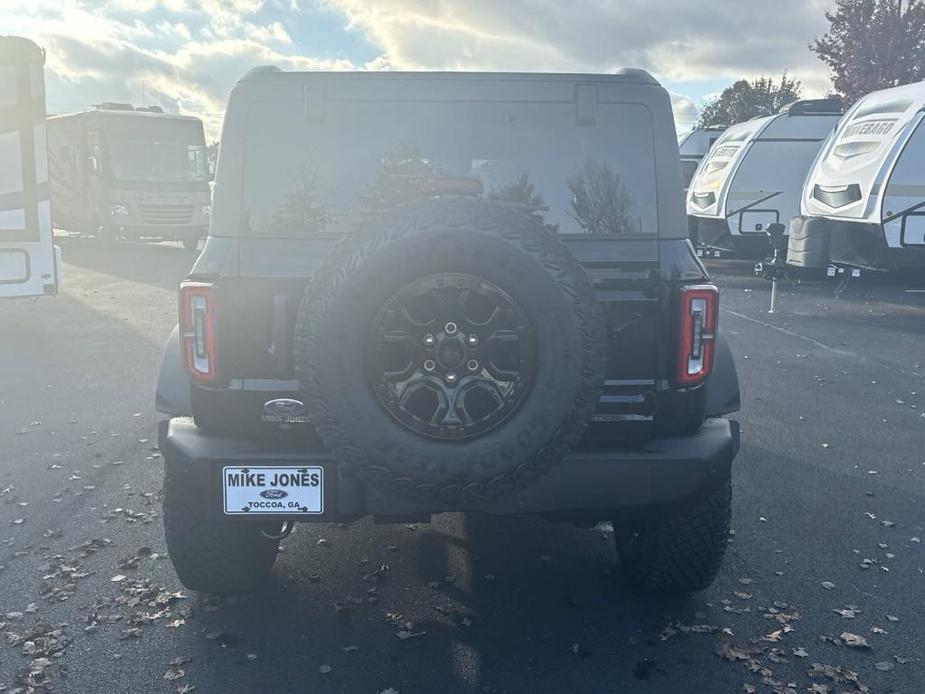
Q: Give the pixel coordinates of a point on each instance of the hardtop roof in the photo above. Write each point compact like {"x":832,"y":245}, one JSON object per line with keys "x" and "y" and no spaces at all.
{"x":116,"y":113}
{"x":624,"y":75}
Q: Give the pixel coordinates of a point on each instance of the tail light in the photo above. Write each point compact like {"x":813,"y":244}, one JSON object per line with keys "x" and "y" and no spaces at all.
{"x":197,"y":329}
{"x":699,"y":307}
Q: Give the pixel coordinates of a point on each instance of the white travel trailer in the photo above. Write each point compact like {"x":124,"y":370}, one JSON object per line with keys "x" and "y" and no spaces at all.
{"x":864,"y":199}
{"x":754,"y":175}
{"x":29,"y":260}
{"x":693,"y":147}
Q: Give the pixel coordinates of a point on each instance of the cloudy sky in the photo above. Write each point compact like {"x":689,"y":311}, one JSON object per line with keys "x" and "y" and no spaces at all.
{"x":186,"y":54}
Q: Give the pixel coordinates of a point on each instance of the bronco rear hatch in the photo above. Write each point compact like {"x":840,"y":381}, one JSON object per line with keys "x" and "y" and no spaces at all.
{"x":308,"y":157}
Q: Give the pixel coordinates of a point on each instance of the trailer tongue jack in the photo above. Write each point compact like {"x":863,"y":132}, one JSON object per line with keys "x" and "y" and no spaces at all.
{"x":775,"y":268}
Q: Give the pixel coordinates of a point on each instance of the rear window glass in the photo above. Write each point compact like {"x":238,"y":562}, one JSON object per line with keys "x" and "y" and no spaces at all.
{"x":304,"y":178}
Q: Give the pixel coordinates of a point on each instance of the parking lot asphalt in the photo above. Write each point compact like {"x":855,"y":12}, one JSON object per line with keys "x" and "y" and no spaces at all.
{"x":822,"y":587}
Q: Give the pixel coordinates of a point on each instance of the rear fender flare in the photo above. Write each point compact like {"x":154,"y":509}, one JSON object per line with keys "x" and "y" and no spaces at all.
{"x":722,"y":395}
{"x":173,"y":386}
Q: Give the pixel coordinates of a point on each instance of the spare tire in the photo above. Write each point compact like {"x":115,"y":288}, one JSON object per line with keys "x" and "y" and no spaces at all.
{"x":451,"y":349}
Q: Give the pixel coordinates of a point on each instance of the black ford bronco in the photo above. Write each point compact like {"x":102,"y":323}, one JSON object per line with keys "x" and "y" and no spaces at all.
{"x":429,"y":292}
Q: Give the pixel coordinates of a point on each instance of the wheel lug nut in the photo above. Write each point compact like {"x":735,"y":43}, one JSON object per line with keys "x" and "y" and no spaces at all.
{"x":430,"y":365}
{"x":429,"y":340}
{"x":472,"y":340}
{"x":472,"y":365}
{"x":451,"y":379}
{"x":450,"y":328}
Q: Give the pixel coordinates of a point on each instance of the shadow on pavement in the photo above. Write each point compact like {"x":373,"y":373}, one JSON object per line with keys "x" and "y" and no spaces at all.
{"x":486,"y":605}
{"x":160,"y":264}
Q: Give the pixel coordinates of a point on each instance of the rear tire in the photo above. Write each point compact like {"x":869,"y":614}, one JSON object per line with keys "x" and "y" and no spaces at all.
{"x":213,"y":555}
{"x":678,"y":553}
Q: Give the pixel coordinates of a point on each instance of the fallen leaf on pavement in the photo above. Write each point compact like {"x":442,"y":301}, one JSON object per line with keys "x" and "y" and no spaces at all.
{"x":849,"y":612}
{"x":853,"y":640}
{"x":174,"y":674}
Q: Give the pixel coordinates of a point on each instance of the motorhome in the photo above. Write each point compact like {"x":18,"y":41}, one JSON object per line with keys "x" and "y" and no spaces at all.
{"x":118,"y":172}
{"x":693,"y":147}
{"x":754,"y":175}
{"x":864,"y":200}
{"x":29,"y":261}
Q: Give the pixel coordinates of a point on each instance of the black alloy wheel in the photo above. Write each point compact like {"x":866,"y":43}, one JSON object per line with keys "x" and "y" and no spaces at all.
{"x":451,"y":355}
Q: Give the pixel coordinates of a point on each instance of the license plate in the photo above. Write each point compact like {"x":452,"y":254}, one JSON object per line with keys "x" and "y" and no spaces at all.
{"x":267,"y":490}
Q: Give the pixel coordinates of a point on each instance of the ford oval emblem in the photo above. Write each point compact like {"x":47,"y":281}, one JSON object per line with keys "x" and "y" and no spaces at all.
{"x":274,"y":494}
{"x":284,"y":406}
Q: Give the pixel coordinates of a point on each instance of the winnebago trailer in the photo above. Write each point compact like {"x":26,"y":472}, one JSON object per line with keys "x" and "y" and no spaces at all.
{"x":29,"y":261}
{"x":754,"y":176}
{"x":693,"y":147}
{"x":864,"y":199}
{"x":123,"y":173}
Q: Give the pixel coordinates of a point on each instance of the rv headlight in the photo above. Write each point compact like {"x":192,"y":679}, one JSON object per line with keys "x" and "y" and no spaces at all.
{"x":206,"y":210}
{"x":119,"y":209}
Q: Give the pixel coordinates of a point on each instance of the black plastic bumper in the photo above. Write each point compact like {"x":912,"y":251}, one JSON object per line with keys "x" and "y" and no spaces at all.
{"x":664,"y":471}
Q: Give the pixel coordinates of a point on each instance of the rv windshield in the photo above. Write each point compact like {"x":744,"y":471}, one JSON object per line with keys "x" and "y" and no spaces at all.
{"x":161,"y":149}
{"x":306,"y":178}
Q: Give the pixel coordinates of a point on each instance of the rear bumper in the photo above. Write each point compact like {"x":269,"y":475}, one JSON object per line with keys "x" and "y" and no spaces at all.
{"x":665,"y":471}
